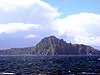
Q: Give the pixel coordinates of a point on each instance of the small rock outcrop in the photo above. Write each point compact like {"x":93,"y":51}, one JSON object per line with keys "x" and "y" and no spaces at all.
{"x":52,"y":46}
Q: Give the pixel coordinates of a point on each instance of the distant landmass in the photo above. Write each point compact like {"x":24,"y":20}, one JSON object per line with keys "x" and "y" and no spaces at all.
{"x":52,"y":46}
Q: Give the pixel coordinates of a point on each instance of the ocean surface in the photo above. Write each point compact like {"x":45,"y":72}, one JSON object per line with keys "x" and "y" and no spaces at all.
{"x":50,"y":65}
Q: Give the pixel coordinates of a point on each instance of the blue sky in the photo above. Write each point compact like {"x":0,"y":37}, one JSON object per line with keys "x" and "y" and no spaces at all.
{"x":25,"y":22}
{"x":66,"y":7}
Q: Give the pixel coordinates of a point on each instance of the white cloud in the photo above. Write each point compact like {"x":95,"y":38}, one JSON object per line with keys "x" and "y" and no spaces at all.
{"x":83,"y":27}
{"x":48,"y":9}
{"x":7,"y":5}
{"x":27,"y":11}
{"x":38,"y":7}
{"x":43,"y":12}
{"x":30,"y":36}
{"x":88,"y":40}
{"x":15,"y":27}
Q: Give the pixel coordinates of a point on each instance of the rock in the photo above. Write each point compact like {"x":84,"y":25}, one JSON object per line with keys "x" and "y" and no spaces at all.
{"x":52,"y":46}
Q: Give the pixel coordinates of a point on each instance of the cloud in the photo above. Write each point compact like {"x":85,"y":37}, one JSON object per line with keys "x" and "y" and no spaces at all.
{"x":30,"y":36}
{"x":16,"y":27}
{"x":82,"y":28}
{"x":27,"y":11}
{"x":9,"y":5}
{"x":89,"y":40}
{"x":43,"y":13}
{"x":28,"y":15}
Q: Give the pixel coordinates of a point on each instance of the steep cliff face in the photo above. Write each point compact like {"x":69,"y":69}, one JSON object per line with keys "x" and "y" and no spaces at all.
{"x":53,"y":46}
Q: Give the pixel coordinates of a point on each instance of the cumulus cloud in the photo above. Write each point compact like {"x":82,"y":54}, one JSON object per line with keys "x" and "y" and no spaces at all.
{"x":36,"y":6}
{"x":83,"y":27}
{"x":16,"y":27}
{"x":43,"y":13}
{"x":8,"y":5}
{"x":27,"y":11}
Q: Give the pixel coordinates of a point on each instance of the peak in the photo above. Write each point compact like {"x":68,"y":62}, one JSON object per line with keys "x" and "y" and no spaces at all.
{"x":50,"y":40}
{"x":51,"y":37}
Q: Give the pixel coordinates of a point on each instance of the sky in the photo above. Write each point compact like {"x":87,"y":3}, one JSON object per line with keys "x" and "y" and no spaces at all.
{"x":24,"y":23}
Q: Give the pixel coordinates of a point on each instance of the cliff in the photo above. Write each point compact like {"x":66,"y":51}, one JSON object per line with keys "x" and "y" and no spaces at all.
{"x":52,"y":46}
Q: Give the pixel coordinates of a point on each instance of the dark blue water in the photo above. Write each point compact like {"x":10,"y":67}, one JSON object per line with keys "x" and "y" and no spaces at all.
{"x":50,"y":65}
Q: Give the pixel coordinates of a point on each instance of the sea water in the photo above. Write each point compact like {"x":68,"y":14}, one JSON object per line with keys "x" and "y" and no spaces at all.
{"x":50,"y":65}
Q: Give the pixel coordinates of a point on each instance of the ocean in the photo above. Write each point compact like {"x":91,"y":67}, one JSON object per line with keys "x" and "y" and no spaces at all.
{"x":50,"y":65}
